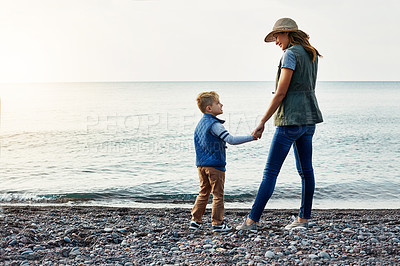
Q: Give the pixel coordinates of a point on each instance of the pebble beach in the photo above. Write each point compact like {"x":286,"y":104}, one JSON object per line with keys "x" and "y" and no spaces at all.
{"x":62,"y":235}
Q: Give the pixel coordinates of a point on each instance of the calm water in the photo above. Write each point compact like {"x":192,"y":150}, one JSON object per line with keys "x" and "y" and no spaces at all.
{"x":131,"y":144}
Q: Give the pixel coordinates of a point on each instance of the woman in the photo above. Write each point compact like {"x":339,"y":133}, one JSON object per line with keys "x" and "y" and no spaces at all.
{"x":297,"y":112}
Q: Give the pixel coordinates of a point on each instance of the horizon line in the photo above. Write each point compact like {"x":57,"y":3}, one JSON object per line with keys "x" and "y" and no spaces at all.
{"x":177,"y":81}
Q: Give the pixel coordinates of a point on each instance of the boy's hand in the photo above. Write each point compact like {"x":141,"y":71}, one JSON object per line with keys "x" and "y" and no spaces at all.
{"x":255,"y":137}
{"x":258,"y":131}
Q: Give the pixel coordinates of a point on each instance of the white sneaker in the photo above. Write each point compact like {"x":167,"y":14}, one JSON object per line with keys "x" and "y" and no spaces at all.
{"x":296,"y":225}
{"x":221,"y":228}
{"x":194,"y":225}
{"x":252,"y":228}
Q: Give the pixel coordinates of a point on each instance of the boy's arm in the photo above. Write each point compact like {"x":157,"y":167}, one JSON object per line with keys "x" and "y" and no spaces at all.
{"x":219,"y":131}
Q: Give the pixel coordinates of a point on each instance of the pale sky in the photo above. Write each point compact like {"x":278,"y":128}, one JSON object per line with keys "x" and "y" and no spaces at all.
{"x":188,"y":40}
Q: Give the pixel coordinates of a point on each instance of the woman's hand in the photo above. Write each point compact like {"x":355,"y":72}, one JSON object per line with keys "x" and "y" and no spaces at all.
{"x":258,"y":130}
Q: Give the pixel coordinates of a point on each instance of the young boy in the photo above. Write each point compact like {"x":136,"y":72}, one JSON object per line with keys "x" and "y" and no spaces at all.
{"x":210,"y":138}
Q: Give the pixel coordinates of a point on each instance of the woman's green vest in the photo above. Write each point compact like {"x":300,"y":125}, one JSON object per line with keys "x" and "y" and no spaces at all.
{"x":300,"y":106}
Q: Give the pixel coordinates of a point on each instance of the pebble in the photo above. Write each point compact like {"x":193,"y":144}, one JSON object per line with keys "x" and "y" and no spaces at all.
{"x":27,"y":252}
{"x":83,"y":236}
{"x":269,"y":254}
{"x":13,"y":242}
{"x":324,"y":255}
{"x":65,"y":252}
{"x":75,"y":252}
{"x":38,"y":248}
{"x":348,"y":231}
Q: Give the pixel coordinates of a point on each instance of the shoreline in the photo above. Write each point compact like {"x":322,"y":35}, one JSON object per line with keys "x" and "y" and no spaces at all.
{"x":276,"y":204}
{"x":88,"y":235}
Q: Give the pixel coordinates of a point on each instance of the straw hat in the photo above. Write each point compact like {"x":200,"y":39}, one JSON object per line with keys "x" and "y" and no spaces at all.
{"x":282,"y":25}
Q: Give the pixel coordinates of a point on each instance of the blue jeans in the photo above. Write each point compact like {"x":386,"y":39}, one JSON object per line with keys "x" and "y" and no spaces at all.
{"x":301,"y":139}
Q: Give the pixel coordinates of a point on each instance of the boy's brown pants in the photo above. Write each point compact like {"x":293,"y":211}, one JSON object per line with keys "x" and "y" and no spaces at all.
{"x":211,"y":180}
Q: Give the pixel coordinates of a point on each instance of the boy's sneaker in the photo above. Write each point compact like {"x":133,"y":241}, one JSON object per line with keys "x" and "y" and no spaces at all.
{"x":194,"y":225}
{"x":296,"y":225}
{"x":245,"y":227}
{"x":221,"y":228}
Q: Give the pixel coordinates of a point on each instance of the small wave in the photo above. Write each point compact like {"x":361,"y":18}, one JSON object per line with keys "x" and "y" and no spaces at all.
{"x":84,"y":197}
{"x":159,"y":192}
{"x":22,"y":197}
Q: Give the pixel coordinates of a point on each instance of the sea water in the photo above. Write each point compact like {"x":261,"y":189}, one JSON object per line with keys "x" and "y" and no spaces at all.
{"x":131,"y":144}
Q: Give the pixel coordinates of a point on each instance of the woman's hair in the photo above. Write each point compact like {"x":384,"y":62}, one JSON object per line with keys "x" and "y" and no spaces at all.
{"x":301,"y":38}
{"x":205,"y":99}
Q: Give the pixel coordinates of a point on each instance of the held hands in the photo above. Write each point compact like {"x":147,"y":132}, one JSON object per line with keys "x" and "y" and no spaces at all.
{"x":257,"y":132}
{"x":255,"y":137}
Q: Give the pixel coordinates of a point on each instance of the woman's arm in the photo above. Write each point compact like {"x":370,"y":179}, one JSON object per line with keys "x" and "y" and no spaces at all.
{"x":280,"y":94}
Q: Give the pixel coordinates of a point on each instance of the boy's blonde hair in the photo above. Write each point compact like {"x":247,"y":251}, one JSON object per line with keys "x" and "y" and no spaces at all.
{"x":205,"y":99}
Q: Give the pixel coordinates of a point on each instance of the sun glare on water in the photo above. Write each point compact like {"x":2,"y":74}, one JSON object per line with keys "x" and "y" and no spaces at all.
{"x":29,"y":107}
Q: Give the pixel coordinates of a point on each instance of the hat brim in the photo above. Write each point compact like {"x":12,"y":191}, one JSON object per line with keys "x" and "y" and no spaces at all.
{"x":270,"y":37}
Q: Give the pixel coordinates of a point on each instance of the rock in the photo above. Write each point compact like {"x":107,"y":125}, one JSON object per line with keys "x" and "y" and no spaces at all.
{"x":75,"y":252}
{"x":313,"y":256}
{"x":269,"y":254}
{"x":207,"y":246}
{"x":305,"y":242}
{"x":38,"y":248}
{"x":65,"y":252}
{"x":242,"y":249}
{"x":13,"y":242}
{"x":324,"y":255}
{"x":67,"y":239}
{"x":348,"y":231}
{"x":26,"y":252}
{"x":312,"y":224}
{"x":211,"y":250}
{"x":108,"y":230}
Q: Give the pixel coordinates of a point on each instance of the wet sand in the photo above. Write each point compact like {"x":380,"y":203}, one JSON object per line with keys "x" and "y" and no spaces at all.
{"x":127,"y":236}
